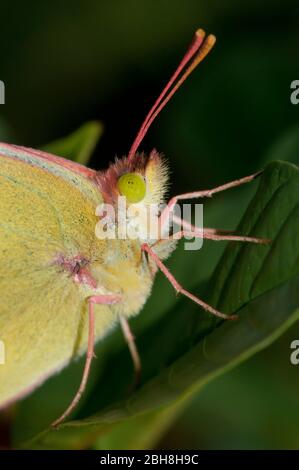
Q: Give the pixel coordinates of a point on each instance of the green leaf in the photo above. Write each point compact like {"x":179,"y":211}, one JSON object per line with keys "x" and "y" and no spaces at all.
{"x":247,"y":271}
{"x":79,"y":145}
{"x":141,"y":431}
{"x":185,"y":348}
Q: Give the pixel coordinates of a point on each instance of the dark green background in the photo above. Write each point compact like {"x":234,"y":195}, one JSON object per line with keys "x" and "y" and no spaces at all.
{"x":64,"y":63}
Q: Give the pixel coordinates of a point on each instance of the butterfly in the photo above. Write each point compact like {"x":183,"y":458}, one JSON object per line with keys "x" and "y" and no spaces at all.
{"x":63,"y":284}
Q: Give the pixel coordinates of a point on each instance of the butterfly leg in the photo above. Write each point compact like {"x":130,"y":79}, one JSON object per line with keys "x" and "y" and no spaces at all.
{"x":164,"y":218}
{"x":216,"y":231}
{"x":129,"y":337}
{"x":179,"y":289}
{"x":212,"y":234}
{"x":217,"y":237}
{"x":96,"y":299}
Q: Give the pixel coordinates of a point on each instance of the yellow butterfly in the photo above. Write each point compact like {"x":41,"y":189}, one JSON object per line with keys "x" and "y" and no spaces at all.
{"x":62,"y":286}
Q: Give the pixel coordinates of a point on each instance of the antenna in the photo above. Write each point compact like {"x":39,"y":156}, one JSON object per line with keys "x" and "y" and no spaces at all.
{"x":197,"y":51}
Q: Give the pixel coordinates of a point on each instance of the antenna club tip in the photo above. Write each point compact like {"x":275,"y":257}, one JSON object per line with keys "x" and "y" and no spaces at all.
{"x":200,"y":33}
{"x":211,"y":39}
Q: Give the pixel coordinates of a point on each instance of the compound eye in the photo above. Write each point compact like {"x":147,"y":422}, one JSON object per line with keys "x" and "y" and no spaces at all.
{"x":132,"y":186}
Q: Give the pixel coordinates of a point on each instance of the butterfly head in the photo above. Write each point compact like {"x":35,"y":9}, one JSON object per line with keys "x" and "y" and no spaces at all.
{"x":133,"y":191}
{"x":142,"y":180}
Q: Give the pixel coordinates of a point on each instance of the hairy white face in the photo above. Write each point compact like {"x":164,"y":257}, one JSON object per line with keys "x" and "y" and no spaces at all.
{"x":133,"y":194}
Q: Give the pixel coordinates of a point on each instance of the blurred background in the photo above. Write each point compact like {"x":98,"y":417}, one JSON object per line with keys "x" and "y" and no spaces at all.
{"x":64,"y":63}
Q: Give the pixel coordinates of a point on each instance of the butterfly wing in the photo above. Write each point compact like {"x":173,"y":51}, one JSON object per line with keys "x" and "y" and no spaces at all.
{"x":47,"y":209}
{"x":48,"y":161}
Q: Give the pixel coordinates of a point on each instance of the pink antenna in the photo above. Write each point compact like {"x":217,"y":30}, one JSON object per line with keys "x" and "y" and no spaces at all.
{"x":197,"y":51}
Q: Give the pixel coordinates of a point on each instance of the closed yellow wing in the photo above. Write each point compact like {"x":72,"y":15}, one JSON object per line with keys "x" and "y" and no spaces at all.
{"x":46,"y":210}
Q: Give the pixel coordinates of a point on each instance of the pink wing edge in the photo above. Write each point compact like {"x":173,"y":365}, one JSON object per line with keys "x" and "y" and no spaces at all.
{"x":70,"y":165}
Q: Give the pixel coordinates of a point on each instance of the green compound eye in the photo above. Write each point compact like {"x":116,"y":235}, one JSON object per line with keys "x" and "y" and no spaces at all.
{"x":132,"y":186}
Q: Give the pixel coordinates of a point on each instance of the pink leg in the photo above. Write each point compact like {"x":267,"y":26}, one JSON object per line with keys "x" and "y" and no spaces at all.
{"x":132,"y":347}
{"x":96,"y":299}
{"x":216,"y":231}
{"x":180,"y":289}
{"x":211,"y":233}
{"x":214,"y":236}
{"x":199,"y":194}
{"x":187,"y":226}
